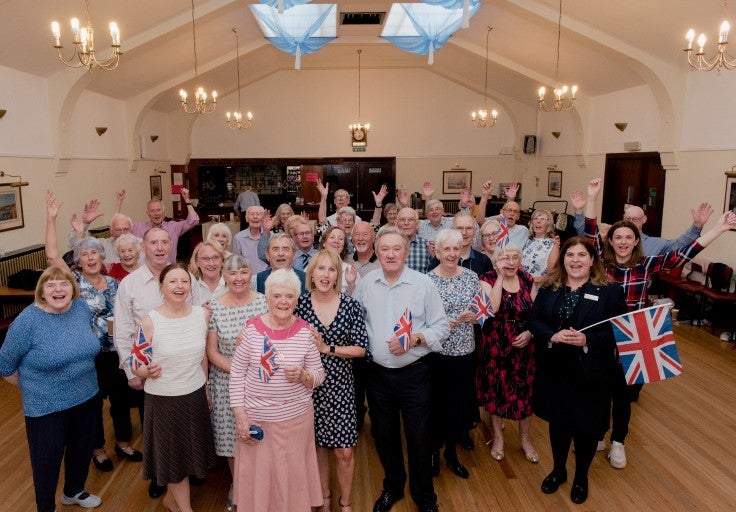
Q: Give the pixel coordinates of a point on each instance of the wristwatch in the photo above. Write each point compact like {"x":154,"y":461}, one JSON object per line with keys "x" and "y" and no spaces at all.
{"x":188,"y":203}
{"x":419,"y":340}
{"x":332,"y":349}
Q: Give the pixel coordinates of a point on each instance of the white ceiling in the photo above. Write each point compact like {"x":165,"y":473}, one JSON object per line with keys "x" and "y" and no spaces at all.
{"x":603,"y":45}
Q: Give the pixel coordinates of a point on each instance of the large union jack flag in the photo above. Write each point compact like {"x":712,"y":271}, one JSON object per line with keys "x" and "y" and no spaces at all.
{"x":502,"y":239}
{"x":141,"y":354}
{"x":402,"y":329}
{"x":646,"y":345}
{"x":481,"y":307}
{"x":268,"y":364}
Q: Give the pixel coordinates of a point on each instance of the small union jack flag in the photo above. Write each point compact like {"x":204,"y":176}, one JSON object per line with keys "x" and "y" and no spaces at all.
{"x":481,"y":306}
{"x":646,"y":345}
{"x":402,"y":329}
{"x":141,"y":354}
{"x":268,"y":361}
{"x":502,"y":239}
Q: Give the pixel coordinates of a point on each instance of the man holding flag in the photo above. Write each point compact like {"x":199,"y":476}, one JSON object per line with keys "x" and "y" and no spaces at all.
{"x":398,"y":379}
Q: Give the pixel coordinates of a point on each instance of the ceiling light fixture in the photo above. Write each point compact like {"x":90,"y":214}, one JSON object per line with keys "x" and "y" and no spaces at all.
{"x":722,"y":59}
{"x":480,"y":118}
{"x":561,"y":101}
{"x":359,"y":130}
{"x":84,"y":44}
{"x":235,"y":119}
{"x":201,"y":104}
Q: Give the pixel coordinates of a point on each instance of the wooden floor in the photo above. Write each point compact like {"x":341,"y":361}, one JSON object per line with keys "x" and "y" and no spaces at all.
{"x":681,"y":452}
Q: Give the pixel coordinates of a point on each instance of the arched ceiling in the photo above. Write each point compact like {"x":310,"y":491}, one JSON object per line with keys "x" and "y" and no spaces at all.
{"x":599,"y":40}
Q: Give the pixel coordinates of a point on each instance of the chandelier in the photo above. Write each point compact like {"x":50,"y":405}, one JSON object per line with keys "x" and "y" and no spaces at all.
{"x":722,"y":59}
{"x":235,"y":120}
{"x":480,"y":118}
{"x":84,"y":44}
{"x":561,"y":101}
{"x":359,"y":130}
{"x":201,"y":103}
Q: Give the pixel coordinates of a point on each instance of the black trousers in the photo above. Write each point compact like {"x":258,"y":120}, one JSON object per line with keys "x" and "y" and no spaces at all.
{"x":113,"y":384}
{"x":68,"y":435}
{"x":396,"y":395}
{"x":360,"y":365}
{"x":560,"y":437}
{"x":621,"y":397}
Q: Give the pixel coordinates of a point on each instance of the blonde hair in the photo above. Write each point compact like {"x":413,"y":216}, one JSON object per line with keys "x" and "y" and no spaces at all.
{"x":334,"y":258}
{"x":193,"y":268}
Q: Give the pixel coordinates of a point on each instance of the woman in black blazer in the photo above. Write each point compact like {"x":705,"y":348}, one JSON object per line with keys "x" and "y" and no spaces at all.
{"x":572,"y":387}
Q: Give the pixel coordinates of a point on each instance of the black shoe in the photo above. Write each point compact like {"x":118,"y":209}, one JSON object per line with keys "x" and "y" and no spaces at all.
{"x":386,"y":501}
{"x":103,"y":465}
{"x":155,"y":490}
{"x":458,"y":468}
{"x":552,"y":482}
{"x":431,"y":508}
{"x":579,"y":491}
{"x":435,"y":463}
{"x":466,"y":442}
{"x":136,"y":456}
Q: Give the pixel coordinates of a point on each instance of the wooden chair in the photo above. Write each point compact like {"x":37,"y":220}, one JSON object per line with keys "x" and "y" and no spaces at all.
{"x":718,"y":301}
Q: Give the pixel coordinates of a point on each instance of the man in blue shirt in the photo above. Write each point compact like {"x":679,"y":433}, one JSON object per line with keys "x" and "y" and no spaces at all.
{"x":398,"y":378}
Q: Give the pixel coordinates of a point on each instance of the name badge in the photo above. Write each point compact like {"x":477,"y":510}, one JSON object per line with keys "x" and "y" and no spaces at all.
{"x":590,"y":297}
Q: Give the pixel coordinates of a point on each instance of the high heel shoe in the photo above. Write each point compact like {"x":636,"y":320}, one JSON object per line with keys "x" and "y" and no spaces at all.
{"x":326,"y":504}
{"x":496,"y":452}
{"x":230,"y":506}
{"x":529,"y":452}
{"x":344,"y":508}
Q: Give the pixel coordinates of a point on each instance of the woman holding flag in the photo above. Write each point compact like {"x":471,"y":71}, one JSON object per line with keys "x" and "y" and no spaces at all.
{"x":453,"y":383}
{"x":624,"y":262}
{"x":574,"y":368}
{"x":506,"y":373}
{"x":177,"y":431}
{"x":273,"y":373}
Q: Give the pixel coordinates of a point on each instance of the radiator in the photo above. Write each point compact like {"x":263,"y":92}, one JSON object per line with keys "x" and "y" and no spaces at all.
{"x":451,"y":207}
{"x":31,"y":257}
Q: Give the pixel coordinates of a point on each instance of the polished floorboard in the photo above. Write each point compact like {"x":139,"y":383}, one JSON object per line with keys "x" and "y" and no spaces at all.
{"x":681,"y":456}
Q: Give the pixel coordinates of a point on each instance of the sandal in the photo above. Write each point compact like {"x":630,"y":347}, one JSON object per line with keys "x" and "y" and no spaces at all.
{"x":344,"y":508}
{"x":526,"y":446}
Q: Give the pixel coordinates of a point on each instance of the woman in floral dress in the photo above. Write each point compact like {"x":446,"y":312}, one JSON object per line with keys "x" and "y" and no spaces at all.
{"x":542,"y":250}
{"x":506,"y":355}
{"x":230,"y":311}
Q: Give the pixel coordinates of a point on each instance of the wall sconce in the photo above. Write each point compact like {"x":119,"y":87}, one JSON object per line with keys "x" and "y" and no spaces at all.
{"x":2,"y":113}
{"x":19,"y":183}
{"x":621,"y":126}
{"x":100,"y":130}
{"x":556,"y":135}
{"x":154,"y":138}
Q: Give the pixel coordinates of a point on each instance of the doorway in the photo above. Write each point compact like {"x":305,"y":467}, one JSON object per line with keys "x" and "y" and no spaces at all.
{"x":637,"y":179}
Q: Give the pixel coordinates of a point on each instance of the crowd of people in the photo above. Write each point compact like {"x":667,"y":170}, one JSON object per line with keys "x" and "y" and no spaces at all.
{"x":268,"y":346}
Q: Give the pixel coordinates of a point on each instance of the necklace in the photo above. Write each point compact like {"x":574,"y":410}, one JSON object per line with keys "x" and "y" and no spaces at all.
{"x":290,"y":329}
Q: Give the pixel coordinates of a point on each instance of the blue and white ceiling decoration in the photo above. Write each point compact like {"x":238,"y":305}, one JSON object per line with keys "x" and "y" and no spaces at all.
{"x":284,"y":4}
{"x":300,"y":30}
{"x":454,"y":4}
{"x":423,"y":28}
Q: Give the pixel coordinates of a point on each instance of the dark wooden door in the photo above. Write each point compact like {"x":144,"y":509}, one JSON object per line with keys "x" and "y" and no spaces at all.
{"x":637,"y":179}
{"x":373,"y":174}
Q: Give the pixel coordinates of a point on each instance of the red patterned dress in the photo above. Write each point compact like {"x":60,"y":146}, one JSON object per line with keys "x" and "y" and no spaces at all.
{"x":506,"y":373}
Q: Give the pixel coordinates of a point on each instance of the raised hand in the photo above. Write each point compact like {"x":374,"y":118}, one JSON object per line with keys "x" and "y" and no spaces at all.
{"x":185,"y":194}
{"x":323,"y":189}
{"x":120,"y":196}
{"x":351,"y":274}
{"x":702,"y":214}
{"x":577,"y":199}
{"x":380,"y":196}
{"x":487,"y":188}
{"x":91,"y":211}
{"x":53,"y":205}
{"x":727,"y":221}
{"x":594,"y":188}
{"x":511,"y":191}
{"x":77,"y":224}
{"x":427,"y":190}
{"x":267,"y":221}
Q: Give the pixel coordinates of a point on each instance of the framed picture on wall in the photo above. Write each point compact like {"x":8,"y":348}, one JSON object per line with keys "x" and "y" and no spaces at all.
{"x":554,"y":183}
{"x":11,"y":208}
{"x":453,"y":182}
{"x":156,"y":190}
{"x":729,"y":200}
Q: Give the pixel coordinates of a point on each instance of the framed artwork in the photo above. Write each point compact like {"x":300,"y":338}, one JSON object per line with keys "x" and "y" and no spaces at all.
{"x":11,"y":208}
{"x":554,"y":183}
{"x":156,"y":190}
{"x":729,"y":200}
{"x":453,"y":182}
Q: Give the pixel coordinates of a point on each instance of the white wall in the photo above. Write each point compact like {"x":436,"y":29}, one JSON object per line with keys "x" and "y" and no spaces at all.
{"x":94,"y":110}
{"x":25,"y":129}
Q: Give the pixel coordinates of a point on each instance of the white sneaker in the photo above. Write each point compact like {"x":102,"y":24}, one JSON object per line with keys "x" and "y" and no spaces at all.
{"x":726,"y":336}
{"x":617,"y":455}
{"x":601,"y":446}
{"x":83,"y":499}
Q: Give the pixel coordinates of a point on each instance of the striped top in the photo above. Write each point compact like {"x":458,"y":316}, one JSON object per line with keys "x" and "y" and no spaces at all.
{"x":178,"y":346}
{"x":277,"y":399}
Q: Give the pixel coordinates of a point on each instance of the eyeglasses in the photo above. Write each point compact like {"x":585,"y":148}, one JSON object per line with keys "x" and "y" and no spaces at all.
{"x":49,"y":285}
{"x":633,"y":219}
{"x":508,"y":210}
{"x":406,"y":220}
{"x":488,"y":236}
{"x":207,"y":259}
{"x":342,"y":196}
